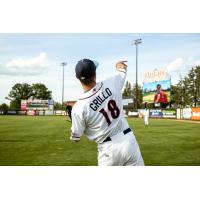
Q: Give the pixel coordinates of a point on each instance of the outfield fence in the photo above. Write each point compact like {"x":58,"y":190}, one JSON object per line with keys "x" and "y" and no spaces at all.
{"x":180,"y":113}
{"x":33,"y":112}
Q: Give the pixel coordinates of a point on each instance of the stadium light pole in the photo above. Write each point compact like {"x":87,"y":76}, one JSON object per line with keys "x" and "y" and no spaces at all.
{"x":63,"y":64}
{"x":136,"y":42}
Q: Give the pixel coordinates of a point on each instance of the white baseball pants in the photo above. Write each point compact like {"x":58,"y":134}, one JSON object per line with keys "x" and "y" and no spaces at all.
{"x":146,"y":120}
{"x":122,"y":150}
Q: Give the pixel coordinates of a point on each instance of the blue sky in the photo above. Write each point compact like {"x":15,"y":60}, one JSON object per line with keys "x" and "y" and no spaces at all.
{"x":36,"y":57}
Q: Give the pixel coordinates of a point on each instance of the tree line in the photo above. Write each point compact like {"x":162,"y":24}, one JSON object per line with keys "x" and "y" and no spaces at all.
{"x":186,"y":93}
{"x":23,"y":91}
{"x":26,"y":91}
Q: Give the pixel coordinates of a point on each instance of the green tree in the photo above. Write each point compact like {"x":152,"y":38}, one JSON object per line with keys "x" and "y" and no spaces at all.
{"x":4,"y":107}
{"x":194,"y":82}
{"x":57,"y":106}
{"x":128,"y":92}
{"x":25,"y":91}
{"x":187,"y":91}
{"x":40,"y":91}
{"x":180,"y":96}
{"x":176,"y":95}
{"x":197,"y":82}
{"x":139,"y":100}
{"x":192,"y":89}
{"x":19,"y":91}
{"x":15,"y":104}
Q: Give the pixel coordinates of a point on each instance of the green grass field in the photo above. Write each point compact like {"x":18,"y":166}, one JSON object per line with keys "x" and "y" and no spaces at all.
{"x":149,"y":97}
{"x":44,"y":141}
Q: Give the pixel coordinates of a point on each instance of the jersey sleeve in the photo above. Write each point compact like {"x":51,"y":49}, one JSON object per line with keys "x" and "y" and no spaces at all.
{"x":78,"y":123}
{"x":119,"y":79}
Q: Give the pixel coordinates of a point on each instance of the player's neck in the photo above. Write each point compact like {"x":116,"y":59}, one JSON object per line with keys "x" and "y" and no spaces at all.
{"x":87,"y":88}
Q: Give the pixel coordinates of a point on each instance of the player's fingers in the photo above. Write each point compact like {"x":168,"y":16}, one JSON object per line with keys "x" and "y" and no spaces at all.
{"x":124,"y":62}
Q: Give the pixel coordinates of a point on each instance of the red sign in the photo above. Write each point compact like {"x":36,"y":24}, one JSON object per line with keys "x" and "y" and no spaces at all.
{"x":23,"y":105}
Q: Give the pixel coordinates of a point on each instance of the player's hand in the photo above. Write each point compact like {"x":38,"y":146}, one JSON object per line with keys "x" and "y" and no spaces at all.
{"x":121,"y":65}
{"x":74,"y":139}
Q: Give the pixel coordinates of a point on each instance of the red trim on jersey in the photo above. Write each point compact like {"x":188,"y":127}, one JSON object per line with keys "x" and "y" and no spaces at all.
{"x":92,"y":94}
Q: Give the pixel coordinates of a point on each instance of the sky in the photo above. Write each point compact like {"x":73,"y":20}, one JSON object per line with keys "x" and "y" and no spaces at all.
{"x":36,"y":58}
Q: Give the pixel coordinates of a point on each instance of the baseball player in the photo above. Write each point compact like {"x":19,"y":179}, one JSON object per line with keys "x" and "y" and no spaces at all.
{"x":69,"y":111}
{"x":146,"y":117}
{"x":99,"y":115}
{"x":160,"y":96}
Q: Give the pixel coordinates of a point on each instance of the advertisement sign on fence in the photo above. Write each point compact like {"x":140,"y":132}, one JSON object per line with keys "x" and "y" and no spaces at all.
{"x":12,"y":112}
{"x":21,"y":112}
{"x":169,"y":113}
{"x":196,"y":113}
{"x":187,"y":113}
{"x":31,"y":112}
{"x":48,"y":112}
{"x":155,"y":113}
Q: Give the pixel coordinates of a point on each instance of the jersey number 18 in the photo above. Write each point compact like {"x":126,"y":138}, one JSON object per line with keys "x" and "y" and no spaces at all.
{"x":114,"y":110}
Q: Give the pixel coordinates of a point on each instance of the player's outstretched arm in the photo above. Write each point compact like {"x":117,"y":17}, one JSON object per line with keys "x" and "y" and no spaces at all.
{"x":119,"y":78}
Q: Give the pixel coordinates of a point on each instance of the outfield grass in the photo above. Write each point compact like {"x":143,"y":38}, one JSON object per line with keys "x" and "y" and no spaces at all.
{"x":41,"y":141}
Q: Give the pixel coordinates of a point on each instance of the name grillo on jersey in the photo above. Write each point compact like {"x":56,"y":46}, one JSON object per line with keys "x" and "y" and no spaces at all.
{"x":100,"y":99}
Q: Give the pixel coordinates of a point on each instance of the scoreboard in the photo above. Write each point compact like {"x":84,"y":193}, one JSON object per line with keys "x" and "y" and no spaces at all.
{"x":36,"y":104}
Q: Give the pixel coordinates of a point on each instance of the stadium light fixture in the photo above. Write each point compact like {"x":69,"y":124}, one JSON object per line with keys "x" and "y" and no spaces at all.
{"x":136,"y":42}
{"x":63,"y":64}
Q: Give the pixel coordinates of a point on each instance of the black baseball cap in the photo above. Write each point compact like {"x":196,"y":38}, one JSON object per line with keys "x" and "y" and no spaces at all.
{"x":85,"y":69}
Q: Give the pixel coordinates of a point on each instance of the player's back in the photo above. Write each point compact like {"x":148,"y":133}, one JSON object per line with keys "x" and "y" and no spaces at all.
{"x":102,"y":109}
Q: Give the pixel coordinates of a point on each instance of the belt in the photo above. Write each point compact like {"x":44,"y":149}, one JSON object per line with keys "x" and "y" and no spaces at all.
{"x":125,"y":132}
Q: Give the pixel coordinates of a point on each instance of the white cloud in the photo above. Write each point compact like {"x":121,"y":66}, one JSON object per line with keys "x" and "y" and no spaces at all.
{"x":196,"y":63}
{"x":175,"y":65}
{"x":26,"y":66}
{"x":181,"y":65}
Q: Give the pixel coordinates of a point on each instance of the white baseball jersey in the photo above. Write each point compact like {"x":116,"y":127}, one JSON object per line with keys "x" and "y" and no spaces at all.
{"x":99,"y":112}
